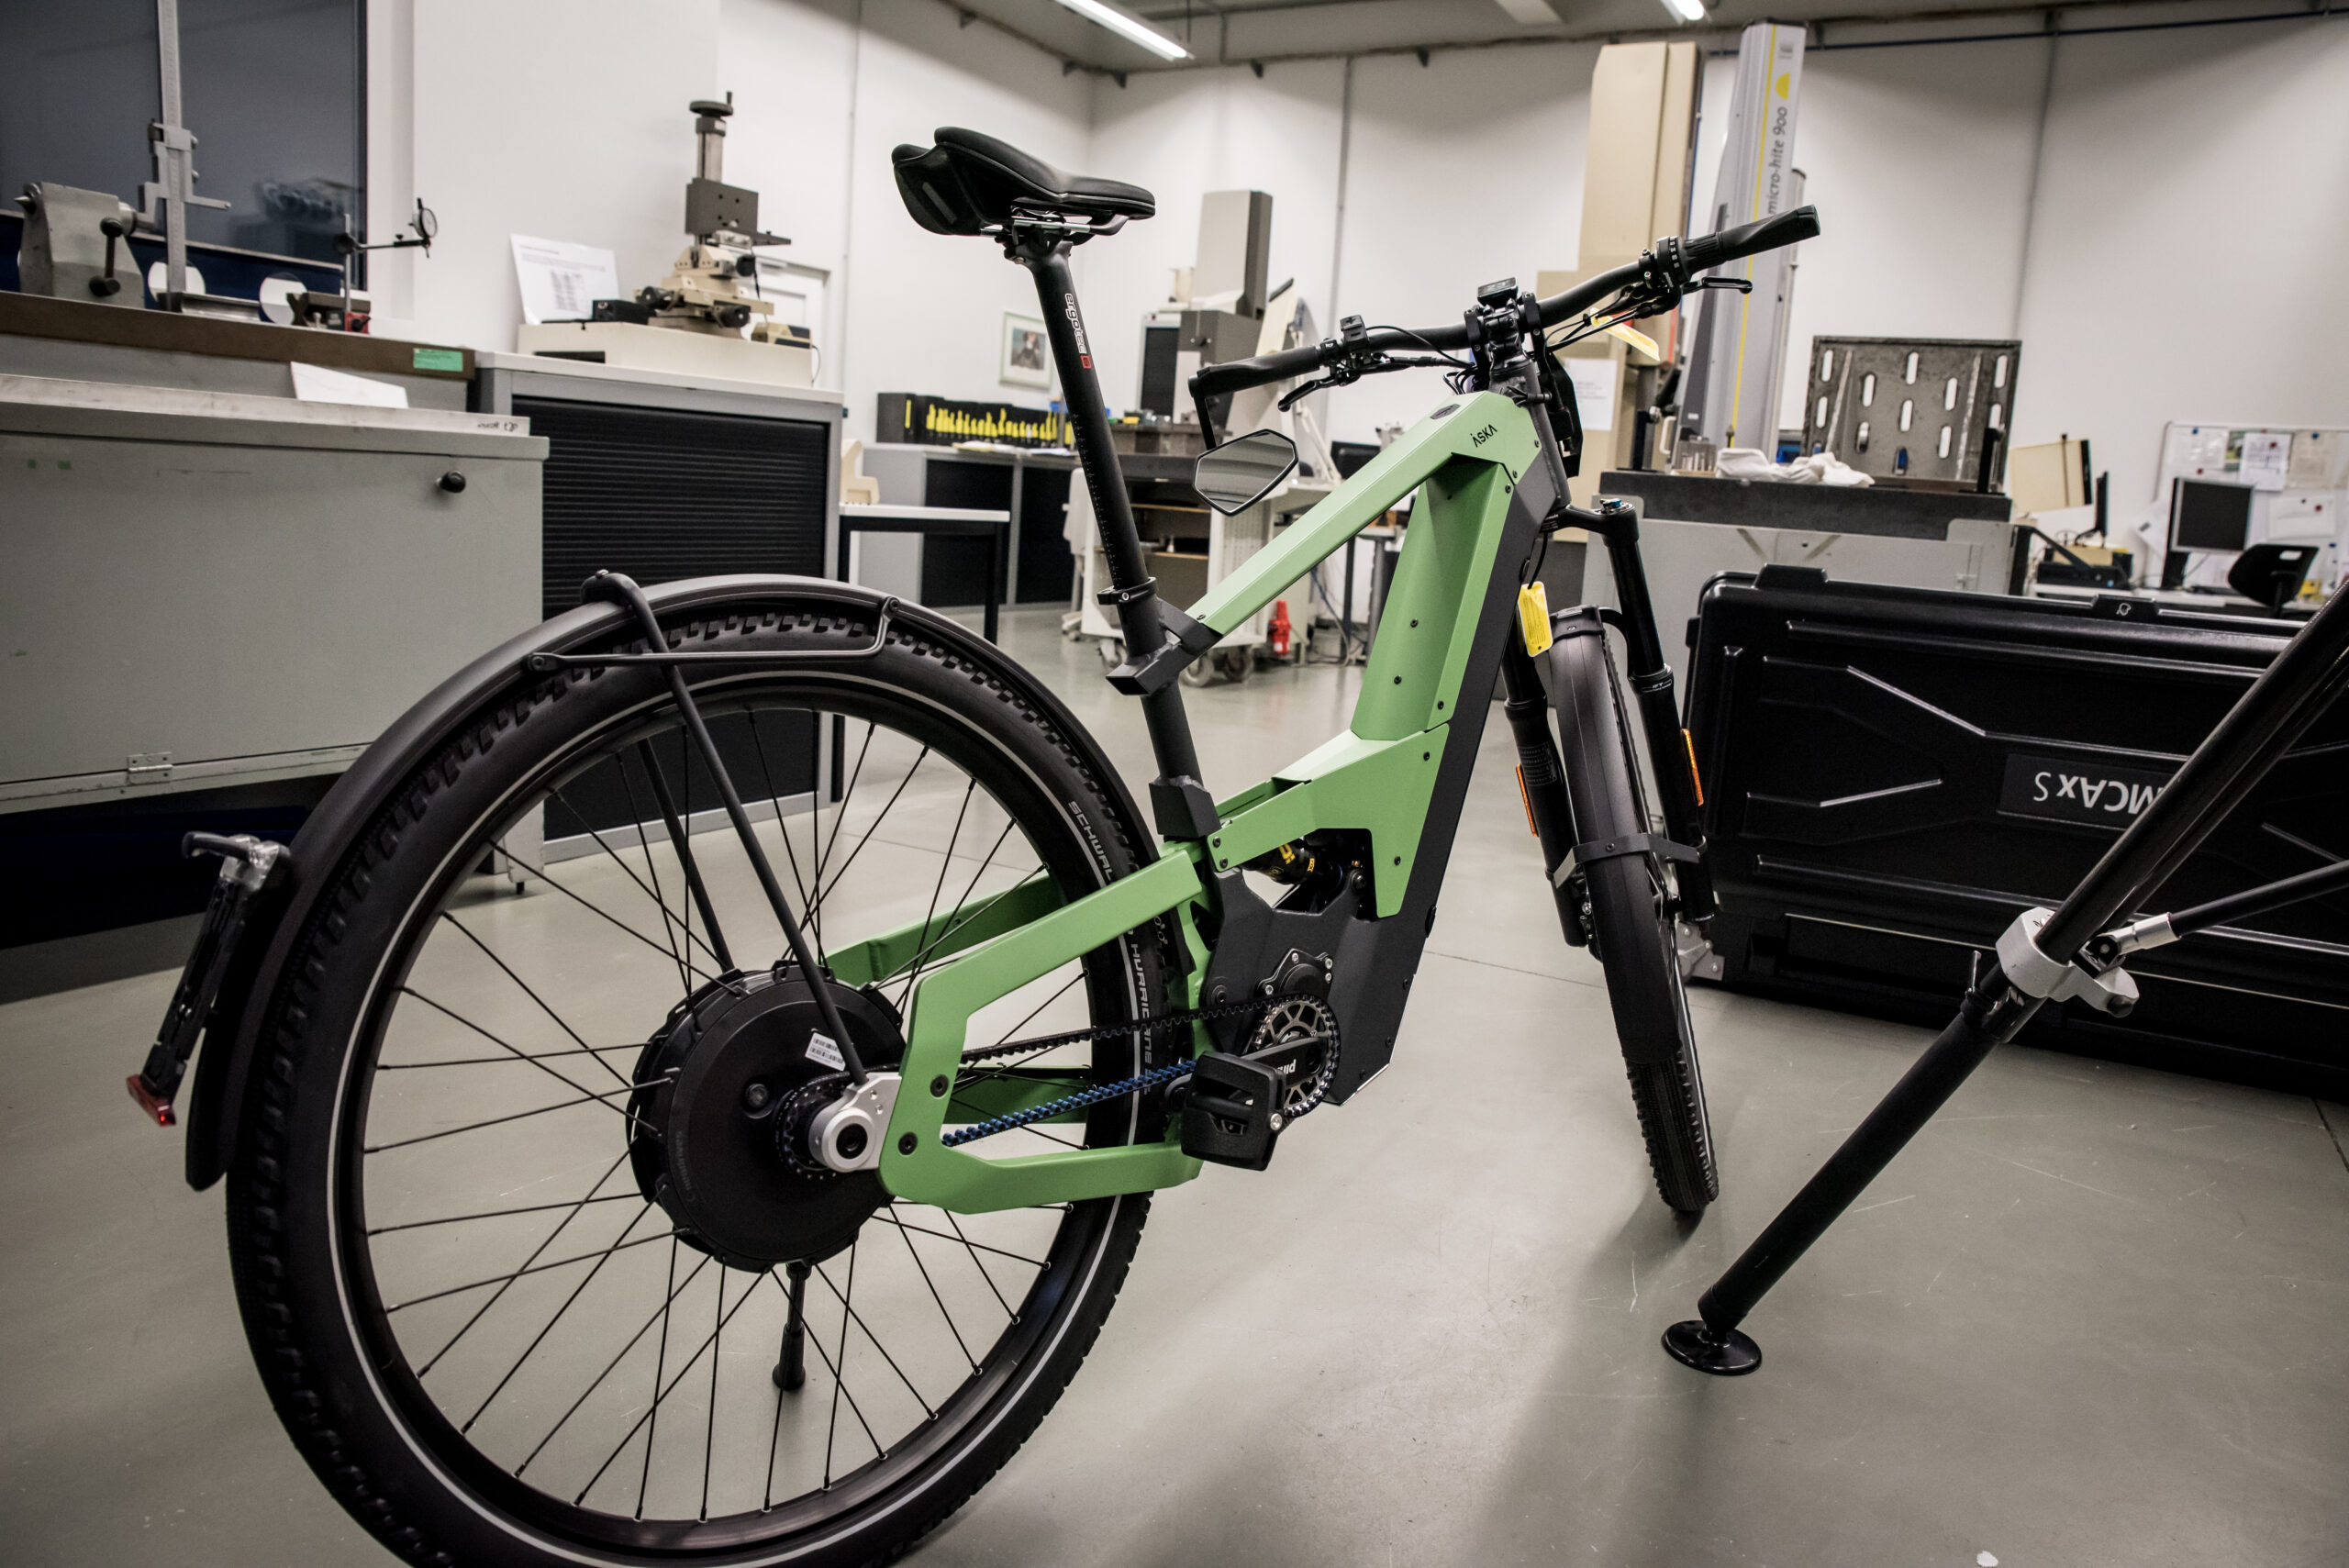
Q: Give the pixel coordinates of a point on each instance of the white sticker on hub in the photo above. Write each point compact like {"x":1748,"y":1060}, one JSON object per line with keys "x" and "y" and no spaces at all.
{"x":822,"y":1048}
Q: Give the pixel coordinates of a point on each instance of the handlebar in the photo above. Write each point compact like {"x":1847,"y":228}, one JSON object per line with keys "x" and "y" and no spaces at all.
{"x":1752,"y":238}
{"x":1682,"y":260}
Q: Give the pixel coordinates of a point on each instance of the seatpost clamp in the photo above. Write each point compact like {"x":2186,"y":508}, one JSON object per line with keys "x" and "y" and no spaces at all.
{"x":1117,"y":598}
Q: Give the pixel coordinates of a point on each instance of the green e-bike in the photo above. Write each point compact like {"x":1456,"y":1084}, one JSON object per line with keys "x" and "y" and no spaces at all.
{"x":748,"y":1194}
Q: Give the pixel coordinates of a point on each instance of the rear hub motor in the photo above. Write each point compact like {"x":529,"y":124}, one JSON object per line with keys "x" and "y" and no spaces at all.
{"x":717,"y":1137}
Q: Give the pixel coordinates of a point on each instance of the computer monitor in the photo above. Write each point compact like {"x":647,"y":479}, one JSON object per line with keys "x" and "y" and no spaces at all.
{"x":2204,"y":518}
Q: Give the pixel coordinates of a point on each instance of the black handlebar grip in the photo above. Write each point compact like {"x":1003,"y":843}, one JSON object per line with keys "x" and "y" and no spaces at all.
{"x":1238,"y":375}
{"x":1748,"y":239}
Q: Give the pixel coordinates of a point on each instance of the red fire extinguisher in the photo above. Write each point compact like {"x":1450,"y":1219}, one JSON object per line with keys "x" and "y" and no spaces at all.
{"x":1280,"y":628}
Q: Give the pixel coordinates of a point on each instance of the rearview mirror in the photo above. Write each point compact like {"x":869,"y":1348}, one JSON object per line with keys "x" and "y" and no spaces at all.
{"x":1243,"y":471}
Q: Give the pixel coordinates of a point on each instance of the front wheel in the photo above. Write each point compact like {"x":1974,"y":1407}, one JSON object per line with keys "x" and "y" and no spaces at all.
{"x":508,"y":1310}
{"x":1631,"y":924}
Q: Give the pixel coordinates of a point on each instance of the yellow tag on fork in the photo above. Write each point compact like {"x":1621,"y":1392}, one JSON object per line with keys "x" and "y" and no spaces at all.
{"x":1533,"y":618}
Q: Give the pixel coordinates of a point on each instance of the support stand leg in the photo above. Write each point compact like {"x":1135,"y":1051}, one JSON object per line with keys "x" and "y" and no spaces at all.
{"x":791,"y":1371}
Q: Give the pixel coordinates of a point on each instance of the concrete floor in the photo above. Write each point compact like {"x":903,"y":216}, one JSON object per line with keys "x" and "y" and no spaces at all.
{"x":2092,"y":1317}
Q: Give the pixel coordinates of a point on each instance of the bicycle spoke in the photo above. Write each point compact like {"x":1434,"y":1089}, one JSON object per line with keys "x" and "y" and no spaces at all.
{"x":661,"y":1393}
{"x":508,"y":971}
{"x":680,"y":836}
{"x":838,"y":1393}
{"x":499,"y":1213}
{"x":710,"y":1433}
{"x":621,"y":1111}
{"x":668,"y":916}
{"x":669,"y":922}
{"x":906,"y":1236}
{"x":974,"y":1249}
{"x":874,"y":1339}
{"x":839,"y":1375}
{"x":923,"y":956}
{"x":652,"y":1416}
{"x":509,"y":1047}
{"x":517,"y":1274}
{"x":840,"y":816}
{"x":576,"y":1291}
{"x":824,"y":890}
{"x":644,"y":1329}
{"x":790,"y":855}
{"x":945,"y":864}
{"x":530,"y":1265}
{"x":637,"y":1046}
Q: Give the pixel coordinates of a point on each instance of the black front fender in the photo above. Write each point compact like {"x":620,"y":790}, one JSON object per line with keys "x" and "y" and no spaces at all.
{"x":217,"y":1097}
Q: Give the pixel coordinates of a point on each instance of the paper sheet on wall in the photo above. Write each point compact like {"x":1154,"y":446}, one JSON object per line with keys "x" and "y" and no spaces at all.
{"x":560,"y":282}
{"x":2316,"y":461}
{"x":2198,"y":452}
{"x":1594,"y":391}
{"x":2264,"y":457}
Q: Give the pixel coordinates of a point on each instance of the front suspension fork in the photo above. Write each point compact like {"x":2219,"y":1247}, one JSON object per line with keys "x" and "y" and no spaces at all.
{"x":1543,"y":776}
{"x":1671,"y":755}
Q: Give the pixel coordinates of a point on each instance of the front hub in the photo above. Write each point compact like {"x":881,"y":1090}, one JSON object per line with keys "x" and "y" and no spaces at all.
{"x":732,"y":1075}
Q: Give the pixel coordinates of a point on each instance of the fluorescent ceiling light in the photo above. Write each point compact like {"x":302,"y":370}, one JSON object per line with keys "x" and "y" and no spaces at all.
{"x":1687,"y":10}
{"x":1129,"y":26}
{"x":1530,"y":12}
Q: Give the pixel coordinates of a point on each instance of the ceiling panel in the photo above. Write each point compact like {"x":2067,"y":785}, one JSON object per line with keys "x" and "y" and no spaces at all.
{"x":1238,"y":31}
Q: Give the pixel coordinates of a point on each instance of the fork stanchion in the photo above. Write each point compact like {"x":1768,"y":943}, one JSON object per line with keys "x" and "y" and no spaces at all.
{"x":2293,"y":692}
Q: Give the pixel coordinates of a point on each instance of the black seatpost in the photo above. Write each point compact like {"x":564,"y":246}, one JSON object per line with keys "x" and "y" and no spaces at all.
{"x":1179,"y":801}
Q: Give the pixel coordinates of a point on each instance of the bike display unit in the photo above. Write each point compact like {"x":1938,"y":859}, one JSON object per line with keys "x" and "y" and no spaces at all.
{"x":810,"y":1058}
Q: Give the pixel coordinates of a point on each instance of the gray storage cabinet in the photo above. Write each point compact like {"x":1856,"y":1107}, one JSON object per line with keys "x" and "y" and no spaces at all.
{"x":212,"y":600}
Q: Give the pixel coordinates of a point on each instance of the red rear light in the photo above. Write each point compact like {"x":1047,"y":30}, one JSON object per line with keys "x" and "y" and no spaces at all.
{"x":161,"y":1109}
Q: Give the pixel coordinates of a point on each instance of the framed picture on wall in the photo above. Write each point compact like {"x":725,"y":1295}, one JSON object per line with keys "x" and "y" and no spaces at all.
{"x":1027,"y":356}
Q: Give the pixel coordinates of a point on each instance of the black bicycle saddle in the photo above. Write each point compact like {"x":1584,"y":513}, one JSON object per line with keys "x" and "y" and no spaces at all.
{"x":970,"y":183}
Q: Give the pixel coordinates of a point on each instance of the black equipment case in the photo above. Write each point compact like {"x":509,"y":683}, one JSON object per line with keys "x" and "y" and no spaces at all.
{"x":1892,"y":775}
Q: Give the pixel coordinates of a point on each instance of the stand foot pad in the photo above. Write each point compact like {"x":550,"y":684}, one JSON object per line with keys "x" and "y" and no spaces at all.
{"x":1723,"y":1353}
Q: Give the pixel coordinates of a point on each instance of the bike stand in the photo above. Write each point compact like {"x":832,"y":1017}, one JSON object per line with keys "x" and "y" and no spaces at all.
{"x":2072,"y":952}
{"x":791,"y":1370}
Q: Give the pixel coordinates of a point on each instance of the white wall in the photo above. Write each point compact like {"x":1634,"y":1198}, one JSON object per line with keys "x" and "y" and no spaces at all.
{"x":911,"y":311}
{"x":1458,"y":171}
{"x":1462,"y":170}
{"x":2177,"y":261}
{"x":2190,"y":240}
{"x":1919,"y":160}
{"x":566,"y":119}
{"x":2181,"y":177}
{"x":1183,"y":136}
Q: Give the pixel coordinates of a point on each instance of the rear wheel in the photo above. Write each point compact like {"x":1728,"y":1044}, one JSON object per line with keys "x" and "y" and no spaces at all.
{"x":1633,"y":928}
{"x":508,"y":1309}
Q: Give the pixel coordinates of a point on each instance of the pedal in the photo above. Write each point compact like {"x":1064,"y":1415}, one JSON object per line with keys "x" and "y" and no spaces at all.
{"x":1232,"y":1113}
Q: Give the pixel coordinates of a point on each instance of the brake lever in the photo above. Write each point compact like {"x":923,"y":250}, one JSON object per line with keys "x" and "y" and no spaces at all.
{"x":1304,"y":390}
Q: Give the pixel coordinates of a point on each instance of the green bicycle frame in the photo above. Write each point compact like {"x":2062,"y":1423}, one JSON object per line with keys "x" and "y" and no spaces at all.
{"x":1377,"y":777}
